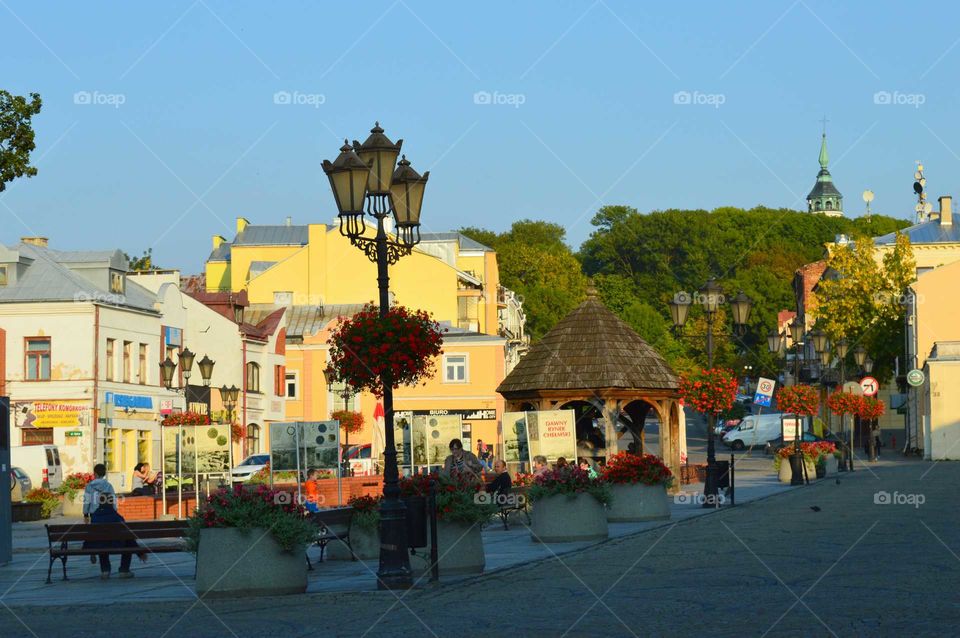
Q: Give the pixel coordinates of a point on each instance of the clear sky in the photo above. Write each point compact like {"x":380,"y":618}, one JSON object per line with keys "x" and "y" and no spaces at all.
{"x":162,"y":122}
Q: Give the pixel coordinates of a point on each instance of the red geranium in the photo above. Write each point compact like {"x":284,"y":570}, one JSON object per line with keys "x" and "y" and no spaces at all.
{"x":844,"y":403}
{"x":712,"y":391}
{"x":351,"y":422}
{"x":802,"y":400}
{"x":237,"y":432}
{"x":648,"y":469}
{"x":186,"y":418}
{"x":402,"y":346}
{"x":871,"y":408}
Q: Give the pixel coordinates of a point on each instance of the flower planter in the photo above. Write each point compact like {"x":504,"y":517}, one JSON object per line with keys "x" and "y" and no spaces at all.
{"x":564,"y":518}
{"x":234,"y":562}
{"x":25,"y":512}
{"x":459,"y":550}
{"x":785,"y":473}
{"x":73,"y":507}
{"x":821,"y":470}
{"x":638,"y":502}
{"x":365,"y":543}
{"x":832,"y":464}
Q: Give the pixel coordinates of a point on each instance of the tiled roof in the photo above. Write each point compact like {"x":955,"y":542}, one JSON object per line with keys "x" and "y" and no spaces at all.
{"x":47,"y":279}
{"x":590,"y":349}
{"x":259,"y":267}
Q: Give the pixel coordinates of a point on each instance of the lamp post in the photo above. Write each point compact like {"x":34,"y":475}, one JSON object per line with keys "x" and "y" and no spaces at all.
{"x":710,"y":296}
{"x":366,"y":179}
{"x":168,"y":368}
{"x":796,"y":335}
{"x":331,"y":378}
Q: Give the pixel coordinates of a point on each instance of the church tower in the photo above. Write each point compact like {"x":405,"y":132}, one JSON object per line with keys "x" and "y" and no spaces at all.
{"x":825,"y":199}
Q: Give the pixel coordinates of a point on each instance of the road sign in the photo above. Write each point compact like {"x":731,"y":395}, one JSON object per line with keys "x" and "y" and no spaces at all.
{"x":852,"y":387}
{"x":916,"y":377}
{"x":869,"y":386}
{"x":764,"y":392}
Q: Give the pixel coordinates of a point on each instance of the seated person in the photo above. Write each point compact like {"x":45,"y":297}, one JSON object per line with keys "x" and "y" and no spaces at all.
{"x":587,"y":467}
{"x":99,"y":506}
{"x":312,"y":500}
{"x":144,"y":481}
{"x":500,"y":486}
{"x":540,"y":465}
{"x":462,"y":462}
{"x":561,"y":462}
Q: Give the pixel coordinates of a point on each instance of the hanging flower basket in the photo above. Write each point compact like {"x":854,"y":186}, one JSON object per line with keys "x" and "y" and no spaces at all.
{"x":350,"y":422}
{"x":871,"y":408}
{"x":841,"y":403}
{"x":237,"y":432}
{"x":185,"y":418}
{"x":403,"y":345}
{"x":712,"y":391}
{"x":802,"y":400}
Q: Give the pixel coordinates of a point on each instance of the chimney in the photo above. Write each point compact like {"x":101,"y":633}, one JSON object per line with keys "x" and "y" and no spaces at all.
{"x":35,"y":241}
{"x":241,"y":224}
{"x":288,"y":221}
{"x":946,"y":210}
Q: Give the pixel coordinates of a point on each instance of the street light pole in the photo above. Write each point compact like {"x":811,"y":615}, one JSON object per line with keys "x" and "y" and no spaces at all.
{"x":367,"y":179}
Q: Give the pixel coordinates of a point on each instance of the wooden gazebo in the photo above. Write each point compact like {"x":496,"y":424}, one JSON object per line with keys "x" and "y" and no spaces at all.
{"x":592,"y":357}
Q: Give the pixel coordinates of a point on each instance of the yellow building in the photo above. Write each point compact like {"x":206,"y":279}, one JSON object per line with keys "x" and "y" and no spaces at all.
{"x":318,"y":275}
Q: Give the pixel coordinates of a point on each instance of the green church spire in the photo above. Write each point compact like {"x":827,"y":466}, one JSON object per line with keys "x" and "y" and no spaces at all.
{"x":824,"y":198}
{"x":824,"y":158}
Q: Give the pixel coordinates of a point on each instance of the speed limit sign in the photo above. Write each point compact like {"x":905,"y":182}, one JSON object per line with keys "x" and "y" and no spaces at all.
{"x":869,"y":386}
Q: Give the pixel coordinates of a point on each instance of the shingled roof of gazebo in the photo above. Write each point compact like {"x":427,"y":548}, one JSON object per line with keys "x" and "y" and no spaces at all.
{"x":590,"y":349}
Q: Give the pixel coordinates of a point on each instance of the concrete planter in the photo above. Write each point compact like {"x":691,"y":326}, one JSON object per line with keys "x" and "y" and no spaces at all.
{"x":234,"y":562}
{"x":638,"y":502}
{"x":365,"y":543}
{"x":73,"y":507}
{"x":563,"y":518}
{"x":832,"y":463}
{"x":459,"y":548}
{"x":785,"y":473}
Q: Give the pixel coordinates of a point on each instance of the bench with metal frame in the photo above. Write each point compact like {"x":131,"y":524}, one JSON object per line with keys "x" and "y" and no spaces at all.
{"x":519,"y":505}
{"x":60,"y":538}
{"x":332,"y":525}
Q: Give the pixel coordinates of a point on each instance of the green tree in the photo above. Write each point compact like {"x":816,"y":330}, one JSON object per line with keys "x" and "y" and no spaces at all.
{"x":143,"y":262}
{"x":16,"y":136}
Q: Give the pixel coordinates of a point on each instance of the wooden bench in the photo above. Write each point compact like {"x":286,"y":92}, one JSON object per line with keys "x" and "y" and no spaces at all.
{"x":60,"y":538}
{"x":332,"y":525}
{"x":517,"y":502}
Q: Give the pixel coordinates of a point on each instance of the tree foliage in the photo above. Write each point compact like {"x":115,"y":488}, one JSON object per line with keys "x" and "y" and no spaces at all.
{"x":16,"y":136}
{"x":142,"y":263}
{"x":536,"y":263}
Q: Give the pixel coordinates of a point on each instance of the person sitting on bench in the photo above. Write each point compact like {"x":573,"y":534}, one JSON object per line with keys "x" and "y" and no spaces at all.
{"x":500,"y":486}
{"x":99,"y":506}
{"x":144,"y":483}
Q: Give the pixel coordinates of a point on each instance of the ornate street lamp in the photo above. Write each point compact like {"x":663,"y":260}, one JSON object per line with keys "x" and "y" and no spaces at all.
{"x":229,"y":398}
{"x":167,"y":369}
{"x":819,"y":338}
{"x":868,"y":365}
{"x":710,"y":296}
{"x":365,"y":181}
{"x":774,"y":341}
{"x":741,"y":305}
{"x":860,"y":355}
{"x":186,"y":363}
{"x":679,"y":309}
{"x":206,"y":369}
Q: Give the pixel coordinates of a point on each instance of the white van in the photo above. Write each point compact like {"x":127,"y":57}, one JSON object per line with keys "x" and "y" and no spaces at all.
{"x":754,"y":430}
{"x":40,"y":462}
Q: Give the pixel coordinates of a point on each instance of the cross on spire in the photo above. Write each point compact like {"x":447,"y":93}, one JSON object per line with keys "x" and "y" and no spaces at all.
{"x":824,"y":122}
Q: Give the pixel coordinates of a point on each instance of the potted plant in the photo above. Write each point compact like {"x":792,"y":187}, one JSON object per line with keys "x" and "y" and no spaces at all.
{"x":49,"y":502}
{"x":638,"y":487}
{"x":72,"y":492}
{"x":460,"y":516}
{"x":568,"y":506}
{"x":250,"y":542}
{"x":364,"y":530}
{"x":712,"y":391}
{"x":781,"y":463}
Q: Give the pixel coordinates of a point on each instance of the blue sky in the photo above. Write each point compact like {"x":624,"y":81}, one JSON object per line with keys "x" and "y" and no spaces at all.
{"x":162,"y":121}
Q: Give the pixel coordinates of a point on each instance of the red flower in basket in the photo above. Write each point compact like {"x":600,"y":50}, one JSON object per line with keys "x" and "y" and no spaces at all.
{"x":710,"y":391}
{"x":802,"y":400}
{"x":841,"y":403}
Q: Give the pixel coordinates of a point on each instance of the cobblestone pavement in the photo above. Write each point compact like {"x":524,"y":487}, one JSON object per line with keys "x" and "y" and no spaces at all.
{"x":778,"y":567}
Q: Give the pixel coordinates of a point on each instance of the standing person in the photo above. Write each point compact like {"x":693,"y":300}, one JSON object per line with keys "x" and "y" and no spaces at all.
{"x":484,"y":454}
{"x":540,"y":465}
{"x":461,"y":461}
{"x":99,"y":506}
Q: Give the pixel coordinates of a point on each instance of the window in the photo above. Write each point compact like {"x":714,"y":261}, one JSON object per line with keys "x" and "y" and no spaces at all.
{"x":3,"y":275}
{"x":37,"y":358}
{"x":455,"y":368}
{"x":341,"y":402}
{"x":127,"y":345}
{"x":253,"y":377}
{"x":278,"y":381}
{"x":253,"y":438}
{"x":116,"y":282}
{"x":111,"y":346}
{"x":142,"y":372}
{"x":291,"y":378}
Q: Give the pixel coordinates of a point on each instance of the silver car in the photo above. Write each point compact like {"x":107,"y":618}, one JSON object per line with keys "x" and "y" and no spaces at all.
{"x":249,"y":466}
{"x":20,"y":484}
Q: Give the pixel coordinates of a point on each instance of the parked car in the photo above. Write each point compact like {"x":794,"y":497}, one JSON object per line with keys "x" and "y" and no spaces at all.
{"x":20,"y":484}
{"x":776,"y":444}
{"x":248,"y":467}
{"x":361,"y":464}
{"x":40,"y":462}
{"x":753,"y":429}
